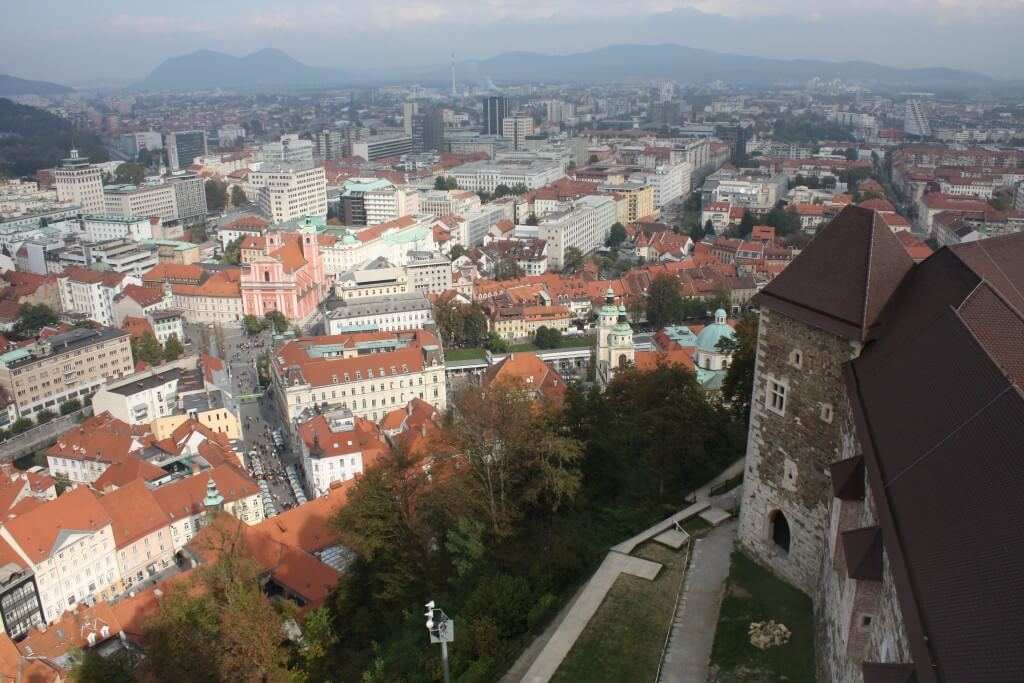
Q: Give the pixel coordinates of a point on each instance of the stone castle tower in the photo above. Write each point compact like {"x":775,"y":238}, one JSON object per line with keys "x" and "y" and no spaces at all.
{"x":615,"y":348}
{"x":815,"y":316}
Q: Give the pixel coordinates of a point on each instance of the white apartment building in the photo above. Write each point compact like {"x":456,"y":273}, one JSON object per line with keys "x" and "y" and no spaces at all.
{"x":119,"y":256}
{"x":409,"y":311}
{"x":144,"y":396}
{"x":156,"y":199}
{"x":670,"y":182}
{"x":91,"y":293}
{"x":286,"y":194}
{"x":98,"y":228}
{"x":583,"y":224}
{"x":79,"y":182}
{"x":388,"y":203}
{"x":332,"y":447}
{"x":478,"y":222}
{"x":69,"y":544}
{"x":448,"y":202}
{"x":429,"y":272}
{"x":484,"y":176}
{"x":517,"y":127}
{"x":369,"y":384}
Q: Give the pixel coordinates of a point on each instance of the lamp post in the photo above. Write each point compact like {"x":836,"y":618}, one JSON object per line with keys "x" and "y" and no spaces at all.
{"x":442,"y":630}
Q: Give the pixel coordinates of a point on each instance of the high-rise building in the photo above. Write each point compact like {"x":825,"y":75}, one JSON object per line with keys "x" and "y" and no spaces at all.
{"x":517,"y":127}
{"x":495,"y":111}
{"x":380,"y":147}
{"x":80,"y":182}
{"x":409,"y":109}
{"x":428,"y":131}
{"x":286,"y":194}
{"x":183,"y":147}
{"x":329,"y":144}
{"x":915,"y":122}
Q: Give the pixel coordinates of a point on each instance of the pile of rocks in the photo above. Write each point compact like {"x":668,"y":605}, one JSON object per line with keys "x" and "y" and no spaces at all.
{"x":766,"y":634}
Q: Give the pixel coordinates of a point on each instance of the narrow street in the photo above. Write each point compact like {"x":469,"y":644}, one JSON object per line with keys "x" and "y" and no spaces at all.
{"x":267,"y":460}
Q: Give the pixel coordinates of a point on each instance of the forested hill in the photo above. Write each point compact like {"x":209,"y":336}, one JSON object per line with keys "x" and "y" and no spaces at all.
{"x":32,"y":138}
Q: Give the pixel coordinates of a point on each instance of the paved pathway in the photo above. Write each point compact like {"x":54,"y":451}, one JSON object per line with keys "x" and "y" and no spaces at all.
{"x":693,"y":630}
{"x":586,"y":604}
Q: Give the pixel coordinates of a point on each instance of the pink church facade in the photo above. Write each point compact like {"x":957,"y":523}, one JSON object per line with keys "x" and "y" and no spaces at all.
{"x":289,"y":278}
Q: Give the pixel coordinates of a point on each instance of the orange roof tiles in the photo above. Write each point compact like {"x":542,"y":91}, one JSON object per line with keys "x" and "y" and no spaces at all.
{"x":184,"y":498}
{"x":37,"y":531}
{"x":134,"y":512}
{"x":319,"y":438}
{"x":307,"y":526}
{"x":527,"y":371}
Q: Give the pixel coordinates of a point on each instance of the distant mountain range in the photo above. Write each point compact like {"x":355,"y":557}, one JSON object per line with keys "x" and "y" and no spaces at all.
{"x":206,"y":69}
{"x":273,"y":68}
{"x":12,"y":85}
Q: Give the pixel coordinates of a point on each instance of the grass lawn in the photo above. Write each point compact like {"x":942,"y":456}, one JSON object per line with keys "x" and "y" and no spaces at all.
{"x":623,"y":641}
{"x":753,"y":594}
{"x":463,"y":354}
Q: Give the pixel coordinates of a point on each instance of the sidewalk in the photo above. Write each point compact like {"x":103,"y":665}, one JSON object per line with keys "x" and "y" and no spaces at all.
{"x":693,"y":630}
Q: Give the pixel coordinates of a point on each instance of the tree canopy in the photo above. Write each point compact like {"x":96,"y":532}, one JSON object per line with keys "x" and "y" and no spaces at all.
{"x":738,"y":386}
{"x":216,"y":194}
{"x":547,"y":338}
{"x":129,"y":173}
{"x":664,"y":302}
{"x":572,"y":260}
{"x":32,"y":318}
{"x":617,"y":235}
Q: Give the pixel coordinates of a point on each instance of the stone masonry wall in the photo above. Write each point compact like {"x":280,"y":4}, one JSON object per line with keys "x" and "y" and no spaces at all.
{"x":788,"y":455}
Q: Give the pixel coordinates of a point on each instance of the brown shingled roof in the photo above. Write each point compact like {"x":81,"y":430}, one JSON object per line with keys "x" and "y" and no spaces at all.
{"x":845,"y":276}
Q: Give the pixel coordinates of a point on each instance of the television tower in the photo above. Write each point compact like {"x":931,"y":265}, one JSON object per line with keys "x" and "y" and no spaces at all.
{"x":453,"y":74}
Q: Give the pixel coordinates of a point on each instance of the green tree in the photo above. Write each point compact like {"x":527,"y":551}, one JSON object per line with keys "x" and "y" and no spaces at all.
{"x":384,"y":523}
{"x":507,"y":269}
{"x":697,"y":233}
{"x":449,"y":319}
{"x":746,"y":225}
{"x":238,"y":197}
{"x":277,"y":319}
{"x":147,"y":349}
{"x":657,"y":433}
{"x":254,"y":325}
{"x":70,"y":406}
{"x":173,"y":349}
{"x":233,"y":252}
{"x":532,"y":219}
{"x":146,"y":157}
{"x":851,"y":154}
{"x":617,"y":235}
{"x":456,"y":251}
{"x":216,"y":194}
{"x":664,"y":303}
{"x":495,"y":343}
{"x":89,"y":666}
{"x":572,"y":260}
{"x":517,"y":460}
{"x":502,"y":190}
{"x":44,"y":416}
{"x":129,"y":173}
{"x":32,"y":318}
{"x":446,"y":183}
{"x":593,"y":159}
{"x":22,"y":424}
{"x":199,"y":233}
{"x":218,"y":625}
{"x":720,"y":298}
{"x":738,"y":386}
{"x":474,"y":324}
{"x":547,"y":338}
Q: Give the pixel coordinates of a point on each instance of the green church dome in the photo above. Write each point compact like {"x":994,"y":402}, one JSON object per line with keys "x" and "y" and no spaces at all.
{"x":709,"y":337}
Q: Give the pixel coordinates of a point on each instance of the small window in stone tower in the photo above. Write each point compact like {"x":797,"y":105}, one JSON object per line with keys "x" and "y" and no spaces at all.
{"x":826,"y":412}
{"x":776,"y":397}
{"x":796,"y":358}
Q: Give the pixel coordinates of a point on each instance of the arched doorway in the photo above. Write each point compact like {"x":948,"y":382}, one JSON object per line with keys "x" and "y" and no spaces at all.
{"x":780,"y":530}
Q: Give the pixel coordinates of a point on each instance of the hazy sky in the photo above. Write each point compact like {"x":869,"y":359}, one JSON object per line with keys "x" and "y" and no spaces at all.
{"x":75,"y":41}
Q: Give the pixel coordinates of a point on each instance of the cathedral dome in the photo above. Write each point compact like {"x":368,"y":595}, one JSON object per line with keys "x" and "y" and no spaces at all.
{"x":709,"y":337}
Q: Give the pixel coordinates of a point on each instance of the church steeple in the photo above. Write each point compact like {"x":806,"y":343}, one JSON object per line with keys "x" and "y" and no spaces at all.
{"x":213,"y":502}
